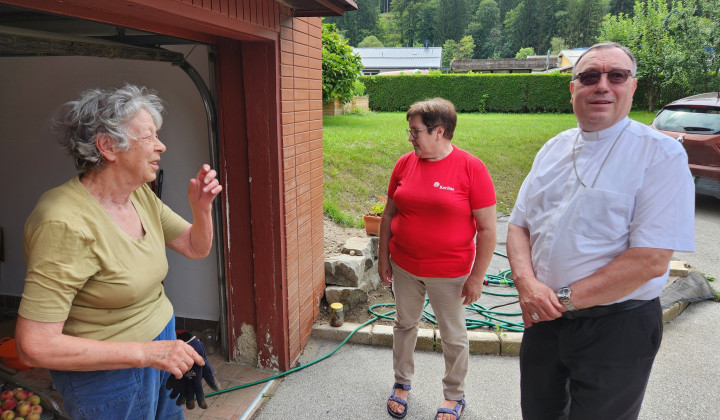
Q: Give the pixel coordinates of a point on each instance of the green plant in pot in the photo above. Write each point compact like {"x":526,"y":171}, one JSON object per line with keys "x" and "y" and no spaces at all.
{"x":372,"y":218}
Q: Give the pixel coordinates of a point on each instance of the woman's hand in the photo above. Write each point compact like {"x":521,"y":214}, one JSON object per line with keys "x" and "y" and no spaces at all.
{"x":196,"y":241}
{"x":203,"y":188}
{"x":385,"y":270}
{"x":472,"y":289}
{"x":42,"y":344}
{"x":174,"y":356}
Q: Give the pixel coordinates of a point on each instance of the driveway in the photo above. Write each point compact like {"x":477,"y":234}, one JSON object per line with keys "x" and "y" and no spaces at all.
{"x":356,"y":381}
{"x":706,"y":258}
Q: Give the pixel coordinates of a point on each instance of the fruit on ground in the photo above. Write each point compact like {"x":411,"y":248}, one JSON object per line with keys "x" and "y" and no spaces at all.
{"x":5,"y":395}
{"x":7,"y":415}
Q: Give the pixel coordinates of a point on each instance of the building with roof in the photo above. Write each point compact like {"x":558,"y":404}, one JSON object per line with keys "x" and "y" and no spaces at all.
{"x":532,"y":64}
{"x":381,"y":60}
{"x":568,"y":58}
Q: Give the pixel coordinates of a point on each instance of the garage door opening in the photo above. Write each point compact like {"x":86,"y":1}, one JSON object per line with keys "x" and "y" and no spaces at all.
{"x":46,"y":60}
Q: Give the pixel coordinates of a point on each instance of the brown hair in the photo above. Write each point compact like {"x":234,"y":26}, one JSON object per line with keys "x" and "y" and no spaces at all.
{"x":435,"y":112}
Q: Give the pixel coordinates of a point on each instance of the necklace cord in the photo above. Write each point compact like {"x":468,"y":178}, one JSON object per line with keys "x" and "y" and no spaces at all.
{"x":603,"y":163}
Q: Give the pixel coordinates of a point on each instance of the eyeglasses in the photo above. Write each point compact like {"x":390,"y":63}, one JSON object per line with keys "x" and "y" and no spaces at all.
{"x":415,"y":132}
{"x":591,"y":78}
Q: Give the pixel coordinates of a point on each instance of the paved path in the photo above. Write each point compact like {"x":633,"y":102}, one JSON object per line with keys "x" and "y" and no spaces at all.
{"x":354,"y":383}
{"x":706,"y":258}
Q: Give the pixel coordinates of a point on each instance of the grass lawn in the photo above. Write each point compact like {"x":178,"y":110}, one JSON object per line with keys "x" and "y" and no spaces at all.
{"x":360,"y":150}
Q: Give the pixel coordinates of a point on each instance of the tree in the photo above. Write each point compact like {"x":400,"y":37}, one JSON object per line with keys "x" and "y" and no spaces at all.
{"x":711,"y":12}
{"x":340,"y":66}
{"x":358,"y":24}
{"x":486,"y":17}
{"x":647,"y":36}
{"x":557,"y":44}
{"x":453,"y":50}
{"x":413,"y":21}
{"x":696,"y":34}
{"x":532,"y":23}
{"x":675,"y":43}
{"x":584,"y":18}
{"x":465,"y":48}
{"x":450,"y":19}
{"x":448,"y":52}
{"x":621,"y":6}
{"x":525,"y":52}
{"x":370,"y":42}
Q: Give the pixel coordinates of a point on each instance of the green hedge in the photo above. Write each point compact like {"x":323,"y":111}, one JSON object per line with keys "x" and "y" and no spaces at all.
{"x":472,"y":92}
{"x":669,"y":93}
{"x":520,"y":92}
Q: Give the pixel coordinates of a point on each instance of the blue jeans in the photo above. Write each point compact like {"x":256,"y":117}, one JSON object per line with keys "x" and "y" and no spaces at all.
{"x":119,"y":393}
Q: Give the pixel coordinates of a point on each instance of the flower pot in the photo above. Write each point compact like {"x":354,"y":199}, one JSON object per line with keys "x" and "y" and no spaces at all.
{"x":372,"y":224}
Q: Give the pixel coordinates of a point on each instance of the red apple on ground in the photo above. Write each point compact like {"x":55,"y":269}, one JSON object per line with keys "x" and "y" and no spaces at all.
{"x":7,"y":415}
{"x":7,"y":394}
{"x":22,"y":409}
{"x":35,"y":408}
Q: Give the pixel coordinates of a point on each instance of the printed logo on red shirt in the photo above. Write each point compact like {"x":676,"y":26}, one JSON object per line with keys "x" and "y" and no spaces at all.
{"x":437,"y":185}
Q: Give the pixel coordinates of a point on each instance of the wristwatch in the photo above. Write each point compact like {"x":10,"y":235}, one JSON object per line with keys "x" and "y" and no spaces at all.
{"x":563,"y":294}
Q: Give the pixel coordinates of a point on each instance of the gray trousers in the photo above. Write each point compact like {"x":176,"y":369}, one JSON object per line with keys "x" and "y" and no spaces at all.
{"x":446,"y":302}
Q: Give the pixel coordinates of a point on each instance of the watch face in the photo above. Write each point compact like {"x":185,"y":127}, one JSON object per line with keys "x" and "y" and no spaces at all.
{"x":563,"y":293}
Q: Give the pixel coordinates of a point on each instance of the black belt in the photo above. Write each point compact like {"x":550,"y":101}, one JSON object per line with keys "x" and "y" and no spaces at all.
{"x":601,"y":310}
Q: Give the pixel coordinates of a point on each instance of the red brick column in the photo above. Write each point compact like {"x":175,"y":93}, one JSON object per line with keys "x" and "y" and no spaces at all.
{"x":301,"y":106}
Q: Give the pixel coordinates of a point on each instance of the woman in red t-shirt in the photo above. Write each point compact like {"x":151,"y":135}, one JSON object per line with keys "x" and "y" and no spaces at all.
{"x":439,"y":198}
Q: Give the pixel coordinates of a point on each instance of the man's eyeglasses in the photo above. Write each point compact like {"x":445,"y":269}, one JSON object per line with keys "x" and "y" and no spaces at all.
{"x":591,"y":78}
{"x":415,"y":132}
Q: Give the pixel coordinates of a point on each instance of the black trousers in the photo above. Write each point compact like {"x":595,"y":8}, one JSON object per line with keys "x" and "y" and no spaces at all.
{"x":589,"y":368}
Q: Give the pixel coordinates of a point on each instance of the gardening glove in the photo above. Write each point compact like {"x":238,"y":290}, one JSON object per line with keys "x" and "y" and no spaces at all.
{"x":189,"y":387}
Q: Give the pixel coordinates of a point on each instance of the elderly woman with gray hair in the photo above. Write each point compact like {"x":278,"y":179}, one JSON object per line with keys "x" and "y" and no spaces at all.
{"x":93,"y":310}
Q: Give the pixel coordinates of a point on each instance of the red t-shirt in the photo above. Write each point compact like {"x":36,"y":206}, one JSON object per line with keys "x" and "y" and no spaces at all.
{"x":434,"y":229}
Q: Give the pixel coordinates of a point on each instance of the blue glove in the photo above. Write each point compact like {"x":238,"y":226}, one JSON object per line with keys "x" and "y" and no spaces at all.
{"x":189,"y":387}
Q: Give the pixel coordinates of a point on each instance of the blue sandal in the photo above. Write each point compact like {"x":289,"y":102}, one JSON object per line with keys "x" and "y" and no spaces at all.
{"x":398,"y":400}
{"x":455,"y":411}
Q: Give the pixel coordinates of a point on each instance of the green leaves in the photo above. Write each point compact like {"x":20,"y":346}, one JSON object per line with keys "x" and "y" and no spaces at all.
{"x":673,"y":43}
{"x":341,"y":67}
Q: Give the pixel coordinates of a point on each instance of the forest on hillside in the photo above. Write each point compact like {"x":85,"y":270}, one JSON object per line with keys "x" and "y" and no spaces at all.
{"x":485,"y":28}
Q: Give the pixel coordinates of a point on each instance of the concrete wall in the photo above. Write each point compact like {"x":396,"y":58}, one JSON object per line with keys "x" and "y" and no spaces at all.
{"x":31,"y":160}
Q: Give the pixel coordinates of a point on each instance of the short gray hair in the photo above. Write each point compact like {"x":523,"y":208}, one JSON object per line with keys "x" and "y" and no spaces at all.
{"x":605,"y":45}
{"x":108,"y":112}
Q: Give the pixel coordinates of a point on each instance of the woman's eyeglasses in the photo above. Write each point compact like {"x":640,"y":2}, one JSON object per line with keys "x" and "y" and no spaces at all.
{"x":415,"y":132}
{"x":591,"y":78}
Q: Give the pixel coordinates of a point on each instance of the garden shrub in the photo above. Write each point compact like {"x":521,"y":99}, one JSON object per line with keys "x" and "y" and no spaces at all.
{"x":472,"y":92}
{"x":495,"y":92}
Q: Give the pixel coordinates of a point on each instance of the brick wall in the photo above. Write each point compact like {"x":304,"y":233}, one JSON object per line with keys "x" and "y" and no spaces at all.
{"x":301,"y":107}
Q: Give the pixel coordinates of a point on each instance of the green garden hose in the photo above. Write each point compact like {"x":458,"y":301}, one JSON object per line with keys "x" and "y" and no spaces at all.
{"x":492,"y":321}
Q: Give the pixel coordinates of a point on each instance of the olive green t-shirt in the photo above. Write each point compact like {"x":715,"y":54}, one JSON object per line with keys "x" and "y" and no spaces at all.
{"x":84,"y":270}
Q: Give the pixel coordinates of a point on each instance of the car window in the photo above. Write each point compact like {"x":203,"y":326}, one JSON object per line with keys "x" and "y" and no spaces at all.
{"x":689,"y":120}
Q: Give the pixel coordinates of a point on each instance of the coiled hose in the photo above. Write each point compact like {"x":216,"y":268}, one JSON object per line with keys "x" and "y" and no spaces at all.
{"x":491,"y":320}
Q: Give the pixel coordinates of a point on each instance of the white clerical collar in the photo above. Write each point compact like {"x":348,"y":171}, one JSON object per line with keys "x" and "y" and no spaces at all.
{"x":608,"y":133}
